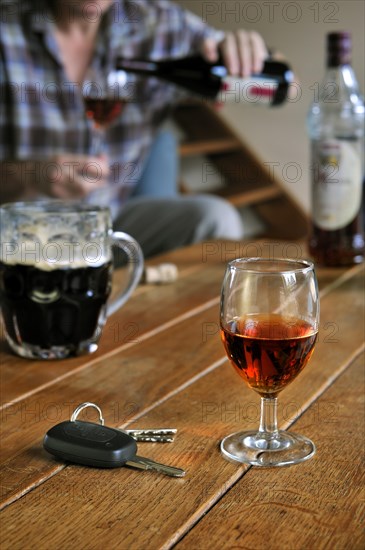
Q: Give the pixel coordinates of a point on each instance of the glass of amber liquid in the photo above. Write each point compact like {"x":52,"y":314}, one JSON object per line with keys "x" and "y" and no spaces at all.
{"x":105,"y":95}
{"x":269,"y":323}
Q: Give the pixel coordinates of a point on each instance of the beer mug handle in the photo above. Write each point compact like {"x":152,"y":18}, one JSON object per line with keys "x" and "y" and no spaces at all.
{"x":135,"y":266}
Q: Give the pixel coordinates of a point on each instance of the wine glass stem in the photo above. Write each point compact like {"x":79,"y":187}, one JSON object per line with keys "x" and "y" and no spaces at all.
{"x":268,"y":419}
{"x":97,"y":141}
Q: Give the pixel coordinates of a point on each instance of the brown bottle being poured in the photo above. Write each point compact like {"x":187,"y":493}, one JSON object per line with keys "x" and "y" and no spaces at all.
{"x":336,"y":130}
{"x":212,"y":81}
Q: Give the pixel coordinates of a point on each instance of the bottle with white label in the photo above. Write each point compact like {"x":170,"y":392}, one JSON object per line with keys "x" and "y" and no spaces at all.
{"x":212,"y":81}
{"x":336,"y":130}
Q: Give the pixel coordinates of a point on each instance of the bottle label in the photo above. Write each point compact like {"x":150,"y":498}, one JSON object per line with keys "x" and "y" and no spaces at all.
{"x":256,"y":90}
{"x":337,"y":182}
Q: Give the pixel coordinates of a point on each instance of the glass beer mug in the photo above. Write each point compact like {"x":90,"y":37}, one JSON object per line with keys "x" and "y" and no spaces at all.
{"x":55,"y":276}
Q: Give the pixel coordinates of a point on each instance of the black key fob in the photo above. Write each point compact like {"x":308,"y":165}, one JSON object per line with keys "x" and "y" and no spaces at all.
{"x":90,"y":444}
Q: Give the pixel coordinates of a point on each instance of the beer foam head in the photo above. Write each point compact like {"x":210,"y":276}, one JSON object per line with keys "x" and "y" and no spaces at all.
{"x":55,"y":236}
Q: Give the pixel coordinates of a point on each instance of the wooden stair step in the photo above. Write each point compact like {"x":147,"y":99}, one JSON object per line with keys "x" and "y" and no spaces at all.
{"x":208,"y":147}
{"x":241,"y":197}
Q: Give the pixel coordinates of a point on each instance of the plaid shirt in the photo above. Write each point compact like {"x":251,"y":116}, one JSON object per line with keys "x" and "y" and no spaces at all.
{"x":42,"y":112}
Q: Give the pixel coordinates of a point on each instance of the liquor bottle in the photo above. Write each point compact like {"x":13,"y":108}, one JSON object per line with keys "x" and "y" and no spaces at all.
{"x":336,"y":130}
{"x":212,"y":81}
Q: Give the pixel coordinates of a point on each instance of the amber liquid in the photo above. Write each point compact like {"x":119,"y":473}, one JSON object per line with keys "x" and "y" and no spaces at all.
{"x":103,"y":110}
{"x":268,"y":351}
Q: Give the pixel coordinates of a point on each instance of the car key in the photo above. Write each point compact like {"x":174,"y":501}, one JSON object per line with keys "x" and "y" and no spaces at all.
{"x":99,"y":446}
{"x":155,"y":435}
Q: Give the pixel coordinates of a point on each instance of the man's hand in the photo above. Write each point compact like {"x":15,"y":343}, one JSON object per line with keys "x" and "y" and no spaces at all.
{"x":243,"y":52}
{"x":71,"y":176}
{"x":65,"y":176}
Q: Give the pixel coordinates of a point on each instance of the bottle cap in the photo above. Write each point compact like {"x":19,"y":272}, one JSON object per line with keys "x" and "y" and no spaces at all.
{"x":339,"y":48}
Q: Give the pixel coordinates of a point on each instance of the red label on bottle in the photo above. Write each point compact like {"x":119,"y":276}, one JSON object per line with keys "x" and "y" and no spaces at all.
{"x":252,"y":90}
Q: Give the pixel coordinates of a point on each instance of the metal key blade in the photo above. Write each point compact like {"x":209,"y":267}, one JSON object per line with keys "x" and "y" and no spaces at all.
{"x":143,"y":463}
{"x":152,"y":439}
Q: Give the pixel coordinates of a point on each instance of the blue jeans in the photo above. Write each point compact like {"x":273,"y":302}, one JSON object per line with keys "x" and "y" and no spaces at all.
{"x":161,"y":171}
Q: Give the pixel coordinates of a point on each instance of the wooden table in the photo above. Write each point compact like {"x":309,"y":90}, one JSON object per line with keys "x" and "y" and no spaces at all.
{"x":161,"y":363}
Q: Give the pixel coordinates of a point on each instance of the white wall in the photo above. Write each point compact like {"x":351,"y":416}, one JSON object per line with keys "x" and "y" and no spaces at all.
{"x":298,"y":29}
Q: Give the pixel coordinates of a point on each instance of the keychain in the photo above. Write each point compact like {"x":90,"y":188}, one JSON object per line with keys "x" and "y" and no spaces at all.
{"x":97,"y":445}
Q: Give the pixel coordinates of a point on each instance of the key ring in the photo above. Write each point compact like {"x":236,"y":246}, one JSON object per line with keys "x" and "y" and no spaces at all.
{"x":83,"y":406}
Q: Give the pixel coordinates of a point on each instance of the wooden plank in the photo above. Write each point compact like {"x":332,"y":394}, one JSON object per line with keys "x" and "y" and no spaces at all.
{"x":136,"y":510}
{"x":138,"y":374}
{"x":207,"y":147}
{"x":319,"y":504}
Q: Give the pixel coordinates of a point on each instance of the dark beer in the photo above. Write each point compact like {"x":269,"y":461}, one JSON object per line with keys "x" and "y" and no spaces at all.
{"x":54,"y":307}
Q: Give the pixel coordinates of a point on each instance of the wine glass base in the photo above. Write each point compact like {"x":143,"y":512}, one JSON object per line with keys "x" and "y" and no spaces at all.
{"x":255,"y":448}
